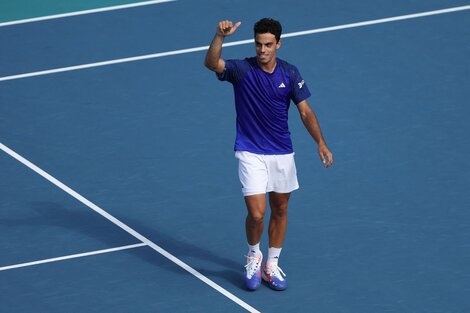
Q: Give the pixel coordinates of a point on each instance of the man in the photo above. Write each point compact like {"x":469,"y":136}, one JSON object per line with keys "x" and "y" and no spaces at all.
{"x":264,"y":86}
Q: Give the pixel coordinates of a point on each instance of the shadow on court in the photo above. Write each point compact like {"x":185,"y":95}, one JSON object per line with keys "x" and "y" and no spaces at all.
{"x":91,"y":226}
{"x":209,"y":263}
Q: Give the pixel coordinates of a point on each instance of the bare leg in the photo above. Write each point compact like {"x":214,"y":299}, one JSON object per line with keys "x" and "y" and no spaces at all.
{"x":278,"y":219}
{"x":256,"y":206}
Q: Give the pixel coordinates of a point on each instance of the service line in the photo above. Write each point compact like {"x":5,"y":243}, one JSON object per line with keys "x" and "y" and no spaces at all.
{"x":72,"y":256}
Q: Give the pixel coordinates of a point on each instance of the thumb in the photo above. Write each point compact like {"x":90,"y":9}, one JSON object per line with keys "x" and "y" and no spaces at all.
{"x":234,"y":27}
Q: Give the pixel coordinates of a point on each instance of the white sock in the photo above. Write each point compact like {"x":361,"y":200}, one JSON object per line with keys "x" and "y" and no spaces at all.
{"x":253,"y":250}
{"x":273,"y":256}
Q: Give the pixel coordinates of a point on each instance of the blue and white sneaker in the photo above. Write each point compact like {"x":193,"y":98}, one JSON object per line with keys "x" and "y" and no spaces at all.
{"x":275,"y":277}
{"x":252,"y":276}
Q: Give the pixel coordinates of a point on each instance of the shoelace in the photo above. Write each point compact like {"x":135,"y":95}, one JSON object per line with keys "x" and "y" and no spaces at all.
{"x":252,"y":265}
{"x":276,"y":271}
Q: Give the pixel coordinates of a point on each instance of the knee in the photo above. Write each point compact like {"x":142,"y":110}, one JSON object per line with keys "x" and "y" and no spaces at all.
{"x":255,"y":218}
{"x":278,"y":203}
{"x":279,"y":211}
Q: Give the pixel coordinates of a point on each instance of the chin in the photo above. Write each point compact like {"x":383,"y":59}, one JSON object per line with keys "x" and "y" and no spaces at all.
{"x":263,"y":60}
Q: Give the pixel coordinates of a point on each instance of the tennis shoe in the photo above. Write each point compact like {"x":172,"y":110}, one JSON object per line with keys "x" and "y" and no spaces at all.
{"x":252,"y":276}
{"x":275,"y":277}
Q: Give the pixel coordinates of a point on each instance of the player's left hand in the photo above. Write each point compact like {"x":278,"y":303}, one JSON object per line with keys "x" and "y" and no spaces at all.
{"x":325,"y":155}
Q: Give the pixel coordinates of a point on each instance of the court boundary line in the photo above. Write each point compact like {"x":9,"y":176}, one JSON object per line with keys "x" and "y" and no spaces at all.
{"x":72,"y":256}
{"x":234,"y":43}
{"x":126,"y":228}
{"x":83,"y":12}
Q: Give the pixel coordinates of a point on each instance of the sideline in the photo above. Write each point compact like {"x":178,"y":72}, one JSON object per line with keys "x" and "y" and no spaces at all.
{"x":129,"y":230}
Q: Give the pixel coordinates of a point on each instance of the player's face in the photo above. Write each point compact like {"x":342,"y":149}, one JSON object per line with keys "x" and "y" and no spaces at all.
{"x":266,"y":46}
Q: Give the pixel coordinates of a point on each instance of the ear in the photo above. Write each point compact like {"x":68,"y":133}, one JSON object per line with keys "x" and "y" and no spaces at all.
{"x":278,"y":44}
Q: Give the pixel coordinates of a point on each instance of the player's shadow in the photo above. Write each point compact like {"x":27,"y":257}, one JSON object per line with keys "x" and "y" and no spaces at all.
{"x":215,"y":264}
{"x":73,"y":219}
{"x":89,"y":224}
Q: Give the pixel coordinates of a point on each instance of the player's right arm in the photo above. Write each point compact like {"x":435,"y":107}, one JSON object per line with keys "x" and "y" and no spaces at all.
{"x":213,"y":60}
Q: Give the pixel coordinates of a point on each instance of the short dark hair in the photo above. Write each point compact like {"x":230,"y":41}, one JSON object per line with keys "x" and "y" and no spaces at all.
{"x":268,"y":25}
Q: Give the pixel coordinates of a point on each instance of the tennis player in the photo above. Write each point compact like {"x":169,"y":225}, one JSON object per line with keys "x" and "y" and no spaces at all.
{"x":264,"y":87}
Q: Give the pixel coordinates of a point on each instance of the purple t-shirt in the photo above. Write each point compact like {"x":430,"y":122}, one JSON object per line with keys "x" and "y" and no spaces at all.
{"x":262,"y":104}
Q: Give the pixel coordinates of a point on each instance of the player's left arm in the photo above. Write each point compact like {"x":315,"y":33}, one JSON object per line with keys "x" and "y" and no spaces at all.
{"x":313,"y":127}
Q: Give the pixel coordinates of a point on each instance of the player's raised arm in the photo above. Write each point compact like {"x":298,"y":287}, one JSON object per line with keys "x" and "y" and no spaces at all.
{"x":213,"y":60}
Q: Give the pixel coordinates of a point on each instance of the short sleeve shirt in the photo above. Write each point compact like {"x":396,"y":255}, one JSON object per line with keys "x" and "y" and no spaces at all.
{"x":262,"y":103}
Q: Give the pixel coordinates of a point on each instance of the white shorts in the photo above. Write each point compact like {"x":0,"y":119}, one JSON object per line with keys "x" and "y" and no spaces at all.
{"x":260,"y":173}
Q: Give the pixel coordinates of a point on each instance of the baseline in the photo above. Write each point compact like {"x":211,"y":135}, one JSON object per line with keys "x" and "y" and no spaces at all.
{"x":76,"y":13}
{"x":126,"y":228}
{"x":235,"y":43}
{"x":72,"y":256}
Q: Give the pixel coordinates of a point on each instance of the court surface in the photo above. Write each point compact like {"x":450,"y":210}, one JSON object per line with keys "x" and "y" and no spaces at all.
{"x":119,"y":189}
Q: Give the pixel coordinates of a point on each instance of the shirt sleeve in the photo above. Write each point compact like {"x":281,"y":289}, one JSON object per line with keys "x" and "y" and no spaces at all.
{"x":299,"y":91}
{"x":233,"y":71}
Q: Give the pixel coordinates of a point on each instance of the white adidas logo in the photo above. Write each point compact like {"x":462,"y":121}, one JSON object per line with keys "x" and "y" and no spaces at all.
{"x":282,"y":85}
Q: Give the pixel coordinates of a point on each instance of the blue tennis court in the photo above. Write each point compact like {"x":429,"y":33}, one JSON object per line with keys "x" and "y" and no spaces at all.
{"x":119,"y":189}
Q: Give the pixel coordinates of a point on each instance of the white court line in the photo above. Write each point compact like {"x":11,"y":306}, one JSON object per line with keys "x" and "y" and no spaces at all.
{"x":91,"y":11}
{"x":235,"y":43}
{"x":379,"y":21}
{"x":72,"y":256}
{"x":123,"y":226}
